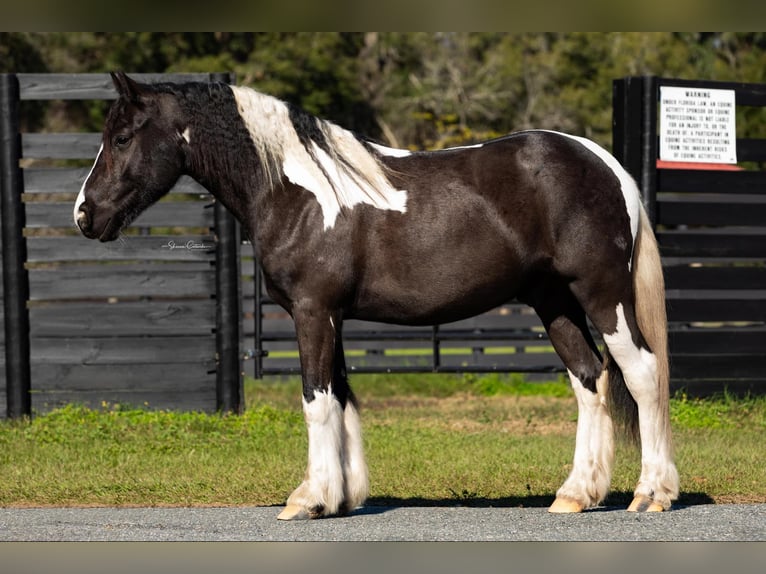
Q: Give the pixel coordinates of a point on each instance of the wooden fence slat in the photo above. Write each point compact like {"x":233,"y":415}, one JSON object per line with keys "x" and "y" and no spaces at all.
{"x":54,"y":179}
{"x":671,"y":295}
{"x":719,"y":341}
{"x":712,"y":366}
{"x":60,"y":145}
{"x":84,"y":281}
{"x":723,"y":310}
{"x":711,"y":211}
{"x":153,"y":247}
{"x":750,"y":244}
{"x":185,"y":377}
{"x":723,"y":277}
{"x":152,"y":318}
{"x":701,"y":181}
{"x":70,"y":180}
{"x":123,"y":350}
{"x":163,"y":214}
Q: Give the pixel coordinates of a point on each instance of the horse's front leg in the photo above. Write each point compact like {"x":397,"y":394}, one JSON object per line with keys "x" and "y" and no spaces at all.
{"x":336,"y":475}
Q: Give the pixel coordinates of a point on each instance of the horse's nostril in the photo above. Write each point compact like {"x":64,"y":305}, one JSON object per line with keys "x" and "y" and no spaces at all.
{"x":83,"y":220}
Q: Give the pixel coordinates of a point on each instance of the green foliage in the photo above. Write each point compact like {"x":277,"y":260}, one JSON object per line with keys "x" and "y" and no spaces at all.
{"x":516,"y":384}
{"x":720,"y":411}
{"x":413,"y":90}
{"x":317,"y":71}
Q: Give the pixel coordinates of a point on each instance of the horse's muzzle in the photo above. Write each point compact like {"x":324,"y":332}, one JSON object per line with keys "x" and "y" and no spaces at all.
{"x":84,"y":222}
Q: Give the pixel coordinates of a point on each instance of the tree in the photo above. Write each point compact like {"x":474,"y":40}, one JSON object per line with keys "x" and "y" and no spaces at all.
{"x":412,"y":90}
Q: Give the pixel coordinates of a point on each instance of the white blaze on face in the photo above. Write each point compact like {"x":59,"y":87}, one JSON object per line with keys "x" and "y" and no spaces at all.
{"x":81,"y":196}
{"x":268,"y":121}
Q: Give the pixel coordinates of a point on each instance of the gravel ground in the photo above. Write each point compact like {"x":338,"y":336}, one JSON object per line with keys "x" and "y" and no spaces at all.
{"x":735,"y":522}
{"x":413,"y":540}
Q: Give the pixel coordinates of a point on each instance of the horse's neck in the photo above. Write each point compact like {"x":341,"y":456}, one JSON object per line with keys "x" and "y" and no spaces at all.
{"x":223,"y":160}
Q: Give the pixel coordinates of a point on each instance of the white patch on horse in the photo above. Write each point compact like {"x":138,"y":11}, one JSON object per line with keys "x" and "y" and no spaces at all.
{"x":588,"y":482}
{"x":268,"y":121}
{"x":638,"y":365}
{"x":390,"y":151}
{"x":395,"y":152}
{"x":186,"y":135}
{"x":324,"y":420}
{"x":470,"y":146}
{"x":630,"y":190}
{"x":639,"y":368}
{"x":81,"y":196}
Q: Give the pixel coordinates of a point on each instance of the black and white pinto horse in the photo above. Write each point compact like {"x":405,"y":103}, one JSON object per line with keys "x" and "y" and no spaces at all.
{"x":345,"y":228}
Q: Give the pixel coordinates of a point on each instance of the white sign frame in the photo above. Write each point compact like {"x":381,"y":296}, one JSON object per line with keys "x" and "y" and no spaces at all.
{"x":698,"y":125}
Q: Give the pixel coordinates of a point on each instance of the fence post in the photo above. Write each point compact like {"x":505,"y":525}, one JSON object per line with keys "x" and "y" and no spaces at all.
{"x":648,"y":181}
{"x":436,"y":349}
{"x":228,"y":316}
{"x":15,"y":277}
{"x":258,"y":351}
{"x":227,"y":332}
{"x":626,"y":123}
{"x":634,"y":134}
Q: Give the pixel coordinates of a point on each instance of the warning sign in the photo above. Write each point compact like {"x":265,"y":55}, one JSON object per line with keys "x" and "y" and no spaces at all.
{"x":697,"y":125}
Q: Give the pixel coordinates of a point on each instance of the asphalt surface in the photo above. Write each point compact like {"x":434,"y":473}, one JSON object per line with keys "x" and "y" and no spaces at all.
{"x":740,"y":522}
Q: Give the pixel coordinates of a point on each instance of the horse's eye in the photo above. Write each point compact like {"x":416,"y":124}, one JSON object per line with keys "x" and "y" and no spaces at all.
{"x":122,"y":140}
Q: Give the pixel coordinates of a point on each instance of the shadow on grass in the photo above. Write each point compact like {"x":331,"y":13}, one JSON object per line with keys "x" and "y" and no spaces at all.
{"x":615,"y":500}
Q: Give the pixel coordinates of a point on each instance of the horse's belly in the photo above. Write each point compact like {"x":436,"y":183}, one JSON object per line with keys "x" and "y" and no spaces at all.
{"x":433,"y":298}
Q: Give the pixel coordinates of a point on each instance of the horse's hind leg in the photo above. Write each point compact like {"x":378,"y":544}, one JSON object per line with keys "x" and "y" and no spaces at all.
{"x":336,"y":474}
{"x":658,"y":483}
{"x":588,"y":482}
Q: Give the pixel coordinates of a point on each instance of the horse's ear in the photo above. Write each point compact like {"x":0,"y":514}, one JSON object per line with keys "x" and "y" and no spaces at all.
{"x":125,"y":86}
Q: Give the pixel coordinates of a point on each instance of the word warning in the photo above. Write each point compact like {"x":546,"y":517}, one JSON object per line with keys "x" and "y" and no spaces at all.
{"x":697,"y":125}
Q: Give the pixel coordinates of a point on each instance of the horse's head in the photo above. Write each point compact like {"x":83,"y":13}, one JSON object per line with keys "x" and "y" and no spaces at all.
{"x":141,"y":157}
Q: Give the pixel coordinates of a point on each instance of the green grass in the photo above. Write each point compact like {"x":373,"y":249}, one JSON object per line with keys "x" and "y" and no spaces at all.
{"x":430,"y":439}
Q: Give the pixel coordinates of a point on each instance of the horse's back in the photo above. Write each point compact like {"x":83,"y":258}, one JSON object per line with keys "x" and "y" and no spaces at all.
{"x":530,"y":190}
